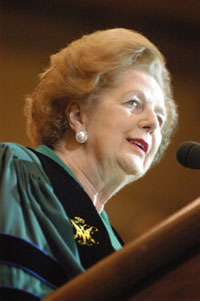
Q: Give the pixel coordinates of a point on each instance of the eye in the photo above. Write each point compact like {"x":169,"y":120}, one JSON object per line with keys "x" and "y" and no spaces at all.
{"x":136,"y":105}
{"x":133,"y":103}
{"x":160,"y":120}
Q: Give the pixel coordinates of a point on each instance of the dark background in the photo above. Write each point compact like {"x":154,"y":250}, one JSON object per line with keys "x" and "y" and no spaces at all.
{"x":32,"y":30}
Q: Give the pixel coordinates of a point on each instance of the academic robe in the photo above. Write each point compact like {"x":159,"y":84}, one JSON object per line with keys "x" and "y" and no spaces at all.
{"x":49,"y":229}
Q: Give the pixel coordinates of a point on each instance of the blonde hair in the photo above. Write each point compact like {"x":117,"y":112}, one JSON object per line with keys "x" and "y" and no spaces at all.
{"x":82,"y":70}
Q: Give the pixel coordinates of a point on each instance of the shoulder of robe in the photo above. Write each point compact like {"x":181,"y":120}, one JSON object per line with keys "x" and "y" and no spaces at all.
{"x":17,"y":151}
{"x":13,"y":155}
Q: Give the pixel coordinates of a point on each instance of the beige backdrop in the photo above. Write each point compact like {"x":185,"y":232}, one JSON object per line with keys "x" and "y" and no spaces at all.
{"x":32,"y":30}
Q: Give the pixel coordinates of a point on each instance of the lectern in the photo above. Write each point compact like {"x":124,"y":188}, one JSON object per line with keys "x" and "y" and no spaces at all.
{"x":162,"y":264}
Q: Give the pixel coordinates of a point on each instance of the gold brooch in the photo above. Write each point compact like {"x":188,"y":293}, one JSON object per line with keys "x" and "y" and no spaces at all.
{"x":84,"y":232}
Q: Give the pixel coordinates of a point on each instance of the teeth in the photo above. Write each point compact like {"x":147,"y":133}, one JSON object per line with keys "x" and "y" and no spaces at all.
{"x":138,"y":143}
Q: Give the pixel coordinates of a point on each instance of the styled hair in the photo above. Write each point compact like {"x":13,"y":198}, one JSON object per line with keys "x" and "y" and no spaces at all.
{"x":83,"y":70}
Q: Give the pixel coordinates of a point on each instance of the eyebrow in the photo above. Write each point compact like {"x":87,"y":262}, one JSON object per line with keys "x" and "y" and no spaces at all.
{"x":162,"y":111}
{"x":139,"y":93}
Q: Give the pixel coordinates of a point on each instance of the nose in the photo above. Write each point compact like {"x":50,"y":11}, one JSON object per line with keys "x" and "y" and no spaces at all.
{"x":149,"y":120}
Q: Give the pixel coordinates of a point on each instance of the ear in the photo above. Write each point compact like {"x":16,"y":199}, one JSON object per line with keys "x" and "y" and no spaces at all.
{"x":74,"y":116}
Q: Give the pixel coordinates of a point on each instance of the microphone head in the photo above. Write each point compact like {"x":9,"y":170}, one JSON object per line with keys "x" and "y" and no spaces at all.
{"x":188,"y":154}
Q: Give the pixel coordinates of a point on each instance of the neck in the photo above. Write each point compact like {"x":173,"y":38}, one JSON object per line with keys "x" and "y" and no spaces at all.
{"x":98,"y":181}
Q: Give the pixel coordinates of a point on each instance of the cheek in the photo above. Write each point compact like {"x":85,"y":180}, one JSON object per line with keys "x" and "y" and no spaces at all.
{"x":155,"y":147}
{"x":156,"y":143}
{"x":106,"y":124}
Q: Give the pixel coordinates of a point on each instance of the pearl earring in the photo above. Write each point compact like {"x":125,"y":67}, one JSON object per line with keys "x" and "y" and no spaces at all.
{"x":81,"y":136}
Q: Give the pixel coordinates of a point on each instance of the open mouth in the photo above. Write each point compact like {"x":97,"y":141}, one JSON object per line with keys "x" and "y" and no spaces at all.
{"x":140,"y":143}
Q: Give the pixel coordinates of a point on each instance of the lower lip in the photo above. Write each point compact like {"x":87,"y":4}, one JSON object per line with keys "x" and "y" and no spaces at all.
{"x":137,"y":147}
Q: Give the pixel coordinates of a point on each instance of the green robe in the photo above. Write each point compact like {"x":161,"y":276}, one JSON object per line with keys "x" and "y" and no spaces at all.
{"x":30,"y":210}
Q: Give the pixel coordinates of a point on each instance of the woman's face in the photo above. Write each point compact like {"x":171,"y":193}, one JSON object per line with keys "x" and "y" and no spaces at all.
{"x":124,"y":126}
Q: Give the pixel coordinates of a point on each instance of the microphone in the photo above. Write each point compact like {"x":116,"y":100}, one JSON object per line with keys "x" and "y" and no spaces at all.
{"x":188,"y":154}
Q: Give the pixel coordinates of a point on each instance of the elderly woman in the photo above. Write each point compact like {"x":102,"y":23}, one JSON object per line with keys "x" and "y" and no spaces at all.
{"x":100,"y":117}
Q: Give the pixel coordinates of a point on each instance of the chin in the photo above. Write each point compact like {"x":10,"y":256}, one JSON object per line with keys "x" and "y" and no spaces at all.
{"x":133,"y":168}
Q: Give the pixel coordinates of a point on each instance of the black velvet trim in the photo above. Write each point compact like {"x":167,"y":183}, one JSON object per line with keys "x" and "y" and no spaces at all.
{"x":77,"y":203}
{"x":20,"y":253}
{"x":118,"y":236}
{"x":8,"y":293}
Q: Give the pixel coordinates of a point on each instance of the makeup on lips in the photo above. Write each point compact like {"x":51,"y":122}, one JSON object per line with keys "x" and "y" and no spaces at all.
{"x":139,"y":144}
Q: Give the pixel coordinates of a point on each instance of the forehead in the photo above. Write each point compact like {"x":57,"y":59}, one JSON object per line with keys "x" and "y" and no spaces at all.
{"x":140,"y":78}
